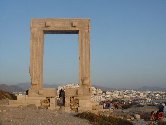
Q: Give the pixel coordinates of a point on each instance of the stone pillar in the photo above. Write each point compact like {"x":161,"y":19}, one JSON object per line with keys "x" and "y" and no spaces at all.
{"x":67,"y":104}
{"x":84,"y":61}
{"x":53,"y":103}
{"x":36,"y":58}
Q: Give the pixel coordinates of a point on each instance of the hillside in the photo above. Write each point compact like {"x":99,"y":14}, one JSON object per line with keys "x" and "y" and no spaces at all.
{"x":11,"y":88}
{"x":6,"y":95}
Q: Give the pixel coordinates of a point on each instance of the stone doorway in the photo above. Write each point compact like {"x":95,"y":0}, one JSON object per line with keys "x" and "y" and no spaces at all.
{"x":75,"y":98}
{"x":39,"y":27}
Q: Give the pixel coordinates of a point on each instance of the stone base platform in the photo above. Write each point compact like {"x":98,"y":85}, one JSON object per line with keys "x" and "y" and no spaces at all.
{"x":44,"y":92}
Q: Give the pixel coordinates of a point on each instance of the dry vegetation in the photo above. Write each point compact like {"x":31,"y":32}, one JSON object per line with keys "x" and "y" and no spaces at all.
{"x":103,"y":120}
{"x":6,"y":95}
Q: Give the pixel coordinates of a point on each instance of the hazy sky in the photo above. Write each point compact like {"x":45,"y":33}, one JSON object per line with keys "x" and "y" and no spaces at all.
{"x":128,"y":41}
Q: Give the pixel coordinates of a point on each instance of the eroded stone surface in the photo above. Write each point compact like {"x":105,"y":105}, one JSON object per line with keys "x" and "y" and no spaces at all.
{"x":39,"y":27}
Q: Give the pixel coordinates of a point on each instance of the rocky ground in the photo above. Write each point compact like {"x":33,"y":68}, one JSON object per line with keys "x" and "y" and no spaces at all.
{"x":33,"y":116}
{"x":136,"y":115}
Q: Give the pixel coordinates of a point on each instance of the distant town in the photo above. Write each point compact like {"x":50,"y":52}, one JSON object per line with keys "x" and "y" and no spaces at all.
{"x":139,"y":97}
